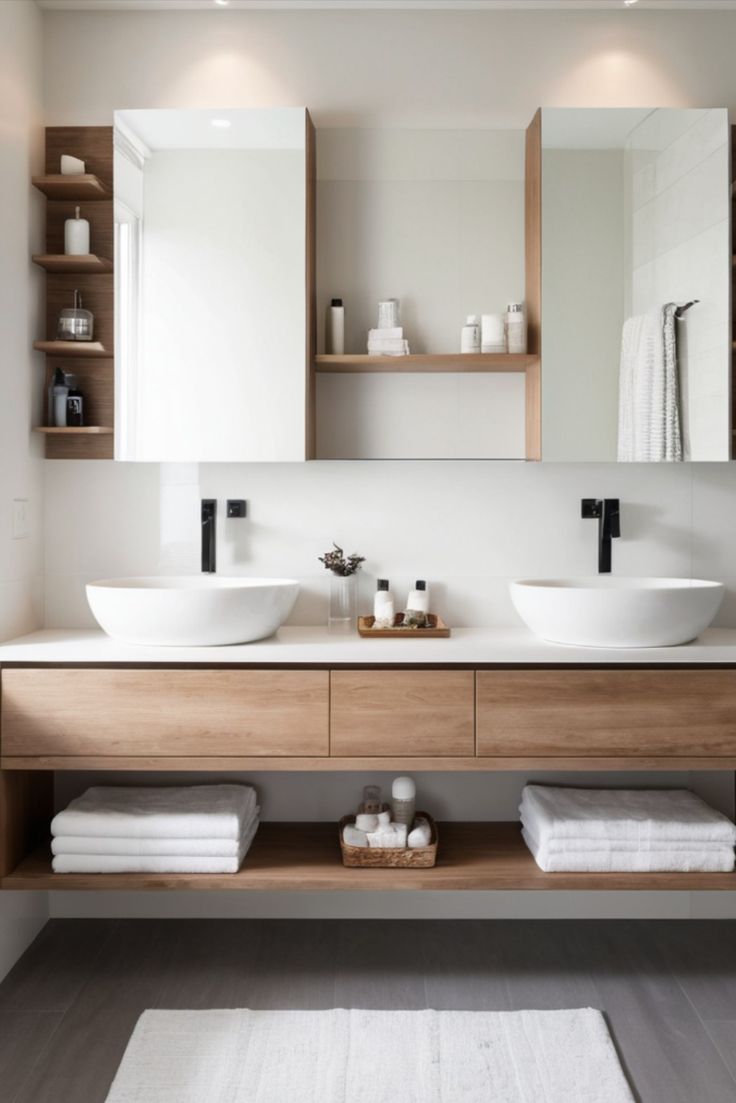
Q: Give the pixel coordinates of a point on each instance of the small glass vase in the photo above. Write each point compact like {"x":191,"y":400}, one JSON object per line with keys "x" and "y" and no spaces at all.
{"x":343,"y":603}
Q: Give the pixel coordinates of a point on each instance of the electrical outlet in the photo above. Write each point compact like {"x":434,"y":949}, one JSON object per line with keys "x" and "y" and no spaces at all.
{"x":21,"y":518}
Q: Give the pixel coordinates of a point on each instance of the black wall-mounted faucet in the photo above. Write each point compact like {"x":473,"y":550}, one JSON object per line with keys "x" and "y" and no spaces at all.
{"x":209,"y":543}
{"x":606,"y":510}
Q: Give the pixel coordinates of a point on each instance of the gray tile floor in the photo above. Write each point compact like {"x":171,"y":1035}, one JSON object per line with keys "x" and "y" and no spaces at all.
{"x":668,"y":988}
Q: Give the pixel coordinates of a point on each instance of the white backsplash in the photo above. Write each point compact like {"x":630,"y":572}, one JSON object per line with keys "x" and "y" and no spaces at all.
{"x":466,"y":526}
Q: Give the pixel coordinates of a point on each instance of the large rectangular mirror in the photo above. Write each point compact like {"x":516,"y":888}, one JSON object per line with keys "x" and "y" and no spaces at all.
{"x":212,"y":284}
{"x":636,"y":226}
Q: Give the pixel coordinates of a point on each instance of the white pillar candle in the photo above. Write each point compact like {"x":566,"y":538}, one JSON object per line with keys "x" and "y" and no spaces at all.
{"x":76,"y":236}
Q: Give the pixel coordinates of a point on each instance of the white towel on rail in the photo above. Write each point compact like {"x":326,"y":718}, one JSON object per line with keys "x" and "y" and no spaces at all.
{"x":639,"y":816}
{"x":171,"y":812}
{"x":155,"y":863}
{"x":649,"y":423}
{"x":675,"y":860}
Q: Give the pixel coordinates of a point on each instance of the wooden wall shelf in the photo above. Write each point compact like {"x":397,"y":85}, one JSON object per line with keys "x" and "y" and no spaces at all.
{"x":355,"y":363}
{"x":60,"y":262}
{"x":91,"y":275}
{"x":84,"y":187}
{"x":306,"y":857}
{"x":78,"y":349}
{"x":73,"y":430}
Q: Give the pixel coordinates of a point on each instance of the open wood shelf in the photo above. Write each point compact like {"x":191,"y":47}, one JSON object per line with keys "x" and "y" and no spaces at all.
{"x":84,"y":187}
{"x":353,"y":363}
{"x":72,"y":265}
{"x":73,"y":430}
{"x":74,"y":348}
{"x":306,"y":857}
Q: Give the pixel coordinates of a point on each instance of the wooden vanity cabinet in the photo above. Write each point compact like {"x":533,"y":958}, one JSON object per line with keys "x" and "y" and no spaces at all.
{"x":179,"y":713}
{"x":587,"y":713}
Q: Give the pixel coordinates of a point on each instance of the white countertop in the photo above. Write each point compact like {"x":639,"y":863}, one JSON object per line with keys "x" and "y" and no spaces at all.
{"x":466,"y":647}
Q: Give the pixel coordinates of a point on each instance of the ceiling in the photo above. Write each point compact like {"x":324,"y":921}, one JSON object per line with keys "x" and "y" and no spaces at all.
{"x":387,"y":5}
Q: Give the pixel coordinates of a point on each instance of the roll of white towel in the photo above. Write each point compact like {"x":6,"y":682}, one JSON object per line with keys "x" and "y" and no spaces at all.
{"x":353,"y":836}
{"x":384,"y":818}
{"x":420,"y":834}
{"x":392,"y":836}
{"x":366,"y":821}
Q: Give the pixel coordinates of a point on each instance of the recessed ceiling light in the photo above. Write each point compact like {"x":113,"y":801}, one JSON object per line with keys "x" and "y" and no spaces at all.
{"x":628,"y":3}
{"x":222,"y":124}
{"x":222,"y":3}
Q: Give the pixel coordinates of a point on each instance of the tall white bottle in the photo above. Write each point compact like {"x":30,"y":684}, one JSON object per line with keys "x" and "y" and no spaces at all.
{"x":76,"y":236}
{"x":335,"y":328}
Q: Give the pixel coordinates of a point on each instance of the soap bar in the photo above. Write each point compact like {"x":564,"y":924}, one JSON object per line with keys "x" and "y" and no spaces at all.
{"x":353,"y":836}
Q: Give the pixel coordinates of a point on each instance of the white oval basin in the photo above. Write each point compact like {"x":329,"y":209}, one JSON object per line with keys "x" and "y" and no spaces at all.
{"x":617,"y":612}
{"x":191,"y":610}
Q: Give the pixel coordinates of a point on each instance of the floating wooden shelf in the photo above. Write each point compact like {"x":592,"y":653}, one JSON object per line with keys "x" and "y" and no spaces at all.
{"x":72,"y":265}
{"x":427,"y":362}
{"x":83,"y":187}
{"x":74,"y":430}
{"x":306,"y":857}
{"x":73,"y":348}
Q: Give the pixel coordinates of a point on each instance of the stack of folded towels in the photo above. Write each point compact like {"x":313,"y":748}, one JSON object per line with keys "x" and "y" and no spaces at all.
{"x":185,"y":829}
{"x":387,"y":342}
{"x":625,"y":830}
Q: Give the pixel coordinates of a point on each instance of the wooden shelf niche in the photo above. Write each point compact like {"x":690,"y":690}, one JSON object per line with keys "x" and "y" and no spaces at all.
{"x":91,"y":275}
{"x":289,"y":857}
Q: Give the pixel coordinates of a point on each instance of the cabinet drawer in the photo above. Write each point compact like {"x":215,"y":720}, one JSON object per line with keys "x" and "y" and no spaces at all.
{"x":402,"y":713}
{"x":165,"y":712}
{"x":606,"y":712}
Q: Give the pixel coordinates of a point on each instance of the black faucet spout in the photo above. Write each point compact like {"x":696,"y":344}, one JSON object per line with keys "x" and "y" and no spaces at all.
{"x":209,"y":545}
{"x":607,"y":511}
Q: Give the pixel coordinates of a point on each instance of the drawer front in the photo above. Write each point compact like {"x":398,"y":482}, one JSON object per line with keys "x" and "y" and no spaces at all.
{"x":606,"y":712}
{"x":402,"y":713}
{"x":165,"y":712}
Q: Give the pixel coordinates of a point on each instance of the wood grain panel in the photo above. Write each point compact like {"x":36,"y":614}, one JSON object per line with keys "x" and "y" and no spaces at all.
{"x":26,"y":802}
{"x":402,"y":712}
{"x":306,"y":857}
{"x":165,"y":712}
{"x":606,"y":712}
{"x":310,"y":287}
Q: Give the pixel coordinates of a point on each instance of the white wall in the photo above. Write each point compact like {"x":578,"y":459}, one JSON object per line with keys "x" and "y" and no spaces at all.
{"x":21,"y":372}
{"x":468,"y":527}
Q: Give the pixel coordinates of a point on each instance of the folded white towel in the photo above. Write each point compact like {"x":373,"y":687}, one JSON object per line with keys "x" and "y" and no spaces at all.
{"x":174,"y":812}
{"x":353,"y":836}
{"x":388,"y":333}
{"x":642,"y":861}
{"x":640,"y":816}
{"x":391,"y":836}
{"x":200,"y":848}
{"x":154,"y":863}
{"x":623,"y":846}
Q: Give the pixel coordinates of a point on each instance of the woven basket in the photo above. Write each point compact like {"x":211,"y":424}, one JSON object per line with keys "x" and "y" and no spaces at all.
{"x":369,"y":857}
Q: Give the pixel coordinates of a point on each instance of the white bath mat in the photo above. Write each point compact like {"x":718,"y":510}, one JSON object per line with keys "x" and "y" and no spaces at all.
{"x":370,"y":1057}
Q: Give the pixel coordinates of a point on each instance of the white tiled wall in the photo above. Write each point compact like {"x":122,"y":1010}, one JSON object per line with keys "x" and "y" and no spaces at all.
{"x":677,"y":165}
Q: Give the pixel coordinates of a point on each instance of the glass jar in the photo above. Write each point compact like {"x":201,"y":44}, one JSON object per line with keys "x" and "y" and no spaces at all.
{"x":343,"y":608}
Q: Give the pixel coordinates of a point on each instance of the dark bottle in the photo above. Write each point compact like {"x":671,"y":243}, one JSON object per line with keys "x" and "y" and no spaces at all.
{"x":74,"y":406}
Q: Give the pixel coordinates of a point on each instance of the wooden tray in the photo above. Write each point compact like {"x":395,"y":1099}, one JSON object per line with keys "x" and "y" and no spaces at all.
{"x":423,"y":857}
{"x":437,"y":629}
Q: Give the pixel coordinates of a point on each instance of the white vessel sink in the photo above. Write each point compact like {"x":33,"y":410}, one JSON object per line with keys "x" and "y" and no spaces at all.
{"x":617,"y":612}
{"x":192,"y":610}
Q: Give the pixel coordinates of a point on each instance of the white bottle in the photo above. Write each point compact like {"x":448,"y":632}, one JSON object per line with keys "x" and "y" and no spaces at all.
{"x":335,"y":330}
{"x":383,"y":605}
{"x":418,"y":599}
{"x":515,"y":328}
{"x":403,"y":800}
{"x":76,"y":236}
{"x":470,"y":334}
{"x":60,"y":392}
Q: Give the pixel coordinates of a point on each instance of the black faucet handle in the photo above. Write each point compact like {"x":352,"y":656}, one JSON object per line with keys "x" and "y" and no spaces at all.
{"x":590,"y":507}
{"x":613,"y":510}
